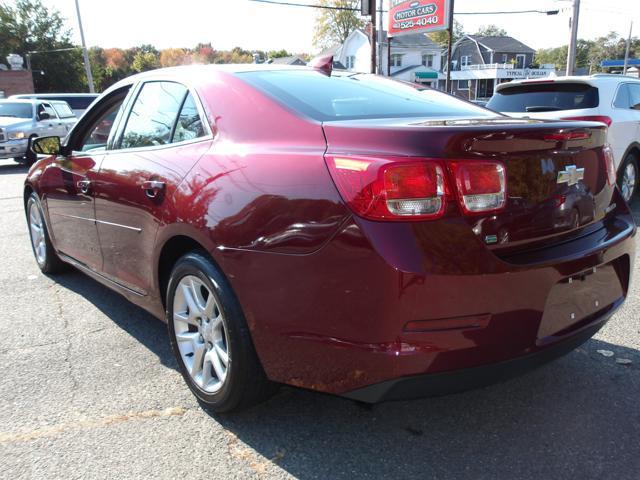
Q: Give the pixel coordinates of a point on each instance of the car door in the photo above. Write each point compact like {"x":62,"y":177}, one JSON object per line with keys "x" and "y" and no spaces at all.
{"x":634,"y":105}
{"x":48,"y":123}
{"x":626,"y":121}
{"x":67,"y":186}
{"x":138,"y":177}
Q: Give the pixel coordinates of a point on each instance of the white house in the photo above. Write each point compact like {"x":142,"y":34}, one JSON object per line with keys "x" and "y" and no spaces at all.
{"x":414,"y":58}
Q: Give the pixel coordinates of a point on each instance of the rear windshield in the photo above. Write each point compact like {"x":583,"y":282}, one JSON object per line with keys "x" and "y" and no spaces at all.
{"x":15,"y":109}
{"x":544,"y":97}
{"x":356,"y":96}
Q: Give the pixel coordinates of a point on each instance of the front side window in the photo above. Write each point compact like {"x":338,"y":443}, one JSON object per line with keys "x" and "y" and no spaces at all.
{"x":153,"y":115}
{"x":99,"y":132}
{"x":189,"y":124}
{"x":46,"y":108}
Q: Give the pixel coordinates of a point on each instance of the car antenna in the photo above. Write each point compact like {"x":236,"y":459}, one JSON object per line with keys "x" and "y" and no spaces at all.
{"x":322,"y":63}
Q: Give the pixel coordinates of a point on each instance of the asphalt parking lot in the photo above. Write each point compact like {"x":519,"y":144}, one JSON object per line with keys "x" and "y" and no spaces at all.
{"x":89,"y":389}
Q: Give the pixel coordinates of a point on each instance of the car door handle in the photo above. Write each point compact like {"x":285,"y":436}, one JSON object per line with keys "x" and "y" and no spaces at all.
{"x":153,"y":188}
{"x":84,"y":185}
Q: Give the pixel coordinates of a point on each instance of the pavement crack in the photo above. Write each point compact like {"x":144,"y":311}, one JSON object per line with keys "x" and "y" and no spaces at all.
{"x":67,"y":336}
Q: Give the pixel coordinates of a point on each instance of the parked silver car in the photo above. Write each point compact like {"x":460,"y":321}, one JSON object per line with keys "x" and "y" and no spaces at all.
{"x":23,"y":120}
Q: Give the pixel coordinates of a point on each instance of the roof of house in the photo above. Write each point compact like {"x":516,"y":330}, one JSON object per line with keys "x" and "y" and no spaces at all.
{"x":416,"y":40}
{"x":502,"y":44}
{"x":293,"y":60}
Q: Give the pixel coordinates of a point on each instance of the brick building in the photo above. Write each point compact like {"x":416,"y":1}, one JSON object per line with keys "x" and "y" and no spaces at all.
{"x":15,"y":81}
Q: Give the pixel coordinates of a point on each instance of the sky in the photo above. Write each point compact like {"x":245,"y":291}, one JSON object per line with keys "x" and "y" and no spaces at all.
{"x":250,"y":25}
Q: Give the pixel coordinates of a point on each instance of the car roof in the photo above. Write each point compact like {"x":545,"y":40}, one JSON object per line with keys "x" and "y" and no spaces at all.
{"x":54,"y":95}
{"x":594,"y":80}
{"x":201,"y":72}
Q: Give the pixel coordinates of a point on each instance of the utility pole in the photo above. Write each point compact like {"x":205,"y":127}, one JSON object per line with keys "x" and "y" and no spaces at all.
{"x":374,"y":38}
{"x":380,"y":39}
{"x":85,"y":53}
{"x":626,"y":52}
{"x":448,"y":85}
{"x":571,"y":55}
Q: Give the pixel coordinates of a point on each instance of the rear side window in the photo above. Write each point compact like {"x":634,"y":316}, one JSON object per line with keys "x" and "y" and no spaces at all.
{"x":634,"y":96}
{"x":622,"y":97}
{"x":356,"y":96}
{"x":189,"y":124}
{"x":544,"y":97}
{"x":63,"y":110}
{"x":153,"y":115}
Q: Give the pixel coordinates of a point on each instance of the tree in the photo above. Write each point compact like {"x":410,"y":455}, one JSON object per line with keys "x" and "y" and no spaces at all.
{"x":143,"y":61}
{"x":334,"y":26}
{"x":491,"y":31}
{"x":29,"y":26}
{"x":441,"y":37}
{"x":172,"y":57}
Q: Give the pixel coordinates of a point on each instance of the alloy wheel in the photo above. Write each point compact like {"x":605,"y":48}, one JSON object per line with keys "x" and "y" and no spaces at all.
{"x":201,"y":334}
{"x":629,"y":177}
{"x":37,"y":233}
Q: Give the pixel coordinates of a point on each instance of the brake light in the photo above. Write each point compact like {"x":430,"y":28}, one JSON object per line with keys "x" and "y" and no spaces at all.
{"x":404,"y":189}
{"x":609,"y":164}
{"x":593,"y":118}
{"x":566,"y":136}
{"x":481,"y":185}
{"x":390,"y":188}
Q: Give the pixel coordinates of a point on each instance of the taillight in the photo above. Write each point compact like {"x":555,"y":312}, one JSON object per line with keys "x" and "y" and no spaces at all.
{"x":593,"y":118}
{"x":390,"y":188}
{"x":481,"y":185}
{"x":400,"y":188}
{"x":610,"y":165}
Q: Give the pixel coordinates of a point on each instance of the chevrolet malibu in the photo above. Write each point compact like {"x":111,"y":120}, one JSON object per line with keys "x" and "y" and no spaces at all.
{"x":338,"y":232}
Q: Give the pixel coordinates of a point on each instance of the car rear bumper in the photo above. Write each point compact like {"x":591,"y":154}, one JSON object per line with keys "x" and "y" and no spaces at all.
{"x":426,"y":385}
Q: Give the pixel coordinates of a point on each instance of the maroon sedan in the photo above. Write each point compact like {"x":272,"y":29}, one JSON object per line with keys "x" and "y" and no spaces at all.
{"x":339,"y":232}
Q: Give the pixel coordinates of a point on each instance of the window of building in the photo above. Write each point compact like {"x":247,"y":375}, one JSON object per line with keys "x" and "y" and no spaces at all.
{"x":463,"y":84}
{"x":396,"y":60}
{"x":427,"y":60}
{"x":465,"y":60}
{"x":351,"y":62}
{"x":504,"y":58}
{"x":520,"y":59}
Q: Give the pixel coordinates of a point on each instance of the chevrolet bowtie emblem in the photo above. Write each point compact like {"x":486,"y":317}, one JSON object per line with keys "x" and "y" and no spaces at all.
{"x":570,"y":175}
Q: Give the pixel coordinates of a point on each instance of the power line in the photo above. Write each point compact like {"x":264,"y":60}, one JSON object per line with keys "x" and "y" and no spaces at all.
{"x":328,"y":7}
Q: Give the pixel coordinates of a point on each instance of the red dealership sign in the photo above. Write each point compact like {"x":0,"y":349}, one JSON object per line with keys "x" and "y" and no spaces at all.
{"x":416,"y":16}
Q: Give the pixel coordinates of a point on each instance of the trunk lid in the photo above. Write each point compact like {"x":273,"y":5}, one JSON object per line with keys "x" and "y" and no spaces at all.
{"x":556,"y":171}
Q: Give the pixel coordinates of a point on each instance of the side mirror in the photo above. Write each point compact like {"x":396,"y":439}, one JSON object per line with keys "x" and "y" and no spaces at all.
{"x":44,"y":116}
{"x":46,"y":146}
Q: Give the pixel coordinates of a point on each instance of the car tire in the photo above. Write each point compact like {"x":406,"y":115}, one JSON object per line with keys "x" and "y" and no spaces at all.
{"x":30,"y":157}
{"x":628,"y":177}
{"x":46,"y":257}
{"x":206,"y":325}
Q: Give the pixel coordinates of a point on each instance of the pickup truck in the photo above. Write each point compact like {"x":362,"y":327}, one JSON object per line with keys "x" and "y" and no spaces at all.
{"x":23,"y":120}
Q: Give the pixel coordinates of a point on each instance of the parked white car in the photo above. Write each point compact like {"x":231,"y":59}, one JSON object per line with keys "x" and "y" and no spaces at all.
{"x":23,"y":120}
{"x":612,"y":99}
{"x":78,"y":102}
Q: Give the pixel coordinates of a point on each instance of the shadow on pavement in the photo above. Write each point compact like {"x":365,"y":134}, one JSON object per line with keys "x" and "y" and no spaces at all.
{"x":577,"y":417}
{"x":11,"y":168}
{"x":144,"y":327}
